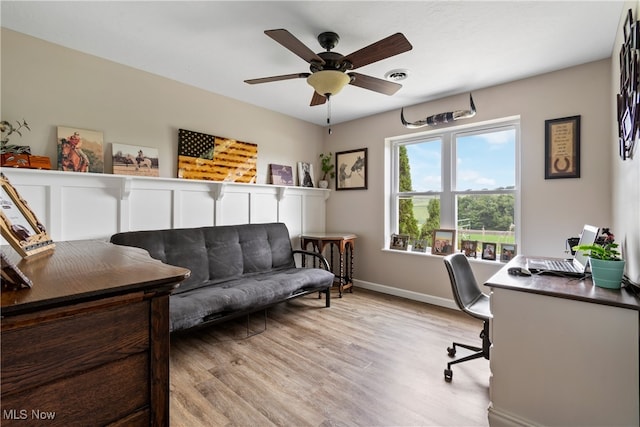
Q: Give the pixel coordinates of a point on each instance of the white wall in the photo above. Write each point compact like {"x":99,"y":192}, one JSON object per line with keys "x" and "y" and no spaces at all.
{"x":552,"y":210}
{"x":79,"y":206}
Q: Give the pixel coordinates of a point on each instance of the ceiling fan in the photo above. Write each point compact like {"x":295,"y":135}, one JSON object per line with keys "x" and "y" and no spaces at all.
{"x":331,"y":71}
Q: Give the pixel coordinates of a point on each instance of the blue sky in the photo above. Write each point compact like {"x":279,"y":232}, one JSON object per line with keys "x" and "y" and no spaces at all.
{"x":484,"y":161}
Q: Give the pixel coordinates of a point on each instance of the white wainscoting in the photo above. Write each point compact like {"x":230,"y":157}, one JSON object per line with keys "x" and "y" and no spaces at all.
{"x":80,"y":206}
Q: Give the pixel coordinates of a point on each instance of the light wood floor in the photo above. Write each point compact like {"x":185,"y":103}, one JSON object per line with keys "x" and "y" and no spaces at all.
{"x":368,"y":360}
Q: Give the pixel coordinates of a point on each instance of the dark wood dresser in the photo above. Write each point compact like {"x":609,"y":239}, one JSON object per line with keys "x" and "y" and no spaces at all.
{"x":88,"y":344}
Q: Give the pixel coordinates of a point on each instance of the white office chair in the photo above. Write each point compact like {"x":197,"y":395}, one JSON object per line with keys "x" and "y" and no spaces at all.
{"x":472,"y":301}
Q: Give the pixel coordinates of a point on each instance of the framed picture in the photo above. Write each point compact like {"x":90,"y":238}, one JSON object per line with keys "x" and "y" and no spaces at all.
{"x":469,"y":248}
{"x":214,"y":158}
{"x":351,"y":170}
{"x":562,"y":148}
{"x":305,"y":174}
{"x":443,"y":242}
{"x":419,"y":246}
{"x":80,"y":150}
{"x":399,"y":242}
{"x":19,"y":224}
{"x":507,"y":251}
{"x":488,"y":251}
{"x":134,"y":160}
{"x":281,"y":175}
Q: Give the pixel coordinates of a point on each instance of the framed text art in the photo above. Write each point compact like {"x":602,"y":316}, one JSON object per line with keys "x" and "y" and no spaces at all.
{"x":19,"y":224}
{"x":352,"y":169}
{"x":562,"y":148}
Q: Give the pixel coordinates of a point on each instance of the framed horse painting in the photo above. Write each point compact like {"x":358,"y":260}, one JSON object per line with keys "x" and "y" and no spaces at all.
{"x":134,"y":160}
{"x":80,"y":150}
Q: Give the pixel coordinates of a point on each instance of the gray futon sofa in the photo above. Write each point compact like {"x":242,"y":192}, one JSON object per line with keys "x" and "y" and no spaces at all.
{"x":235,"y":270}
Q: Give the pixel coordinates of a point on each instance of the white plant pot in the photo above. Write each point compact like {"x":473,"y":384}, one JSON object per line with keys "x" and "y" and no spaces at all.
{"x":323,"y":184}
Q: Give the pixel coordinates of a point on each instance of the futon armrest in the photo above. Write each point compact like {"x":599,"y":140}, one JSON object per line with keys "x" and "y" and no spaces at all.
{"x":321,"y":257}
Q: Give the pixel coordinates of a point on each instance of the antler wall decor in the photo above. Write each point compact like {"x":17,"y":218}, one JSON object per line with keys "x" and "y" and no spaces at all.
{"x":442,"y":118}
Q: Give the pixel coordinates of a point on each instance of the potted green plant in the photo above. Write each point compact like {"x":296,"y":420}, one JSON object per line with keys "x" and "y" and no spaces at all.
{"x":327,"y":170}
{"x":607,"y":266}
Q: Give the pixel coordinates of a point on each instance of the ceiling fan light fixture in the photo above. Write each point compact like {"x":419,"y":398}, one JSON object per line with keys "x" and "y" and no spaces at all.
{"x":328,"y":81}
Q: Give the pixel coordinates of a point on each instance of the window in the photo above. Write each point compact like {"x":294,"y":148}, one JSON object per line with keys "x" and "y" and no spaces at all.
{"x":463,"y":178}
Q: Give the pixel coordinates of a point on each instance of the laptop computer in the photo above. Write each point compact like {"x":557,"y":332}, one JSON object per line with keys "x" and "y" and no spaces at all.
{"x":575,"y":266}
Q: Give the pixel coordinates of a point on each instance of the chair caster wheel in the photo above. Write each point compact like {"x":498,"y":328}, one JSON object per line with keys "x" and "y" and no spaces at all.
{"x":451,"y":351}
{"x":448,"y":375}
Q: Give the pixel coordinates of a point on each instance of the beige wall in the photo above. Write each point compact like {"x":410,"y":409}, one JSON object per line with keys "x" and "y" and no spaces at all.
{"x":49,"y":85}
{"x":551,"y":209}
{"x":625,"y":174}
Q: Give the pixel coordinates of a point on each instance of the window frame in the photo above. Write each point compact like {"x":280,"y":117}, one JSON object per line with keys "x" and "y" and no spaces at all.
{"x":447,"y":194}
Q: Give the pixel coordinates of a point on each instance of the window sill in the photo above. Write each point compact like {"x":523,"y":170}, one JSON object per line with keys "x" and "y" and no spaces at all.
{"x":430,"y":255}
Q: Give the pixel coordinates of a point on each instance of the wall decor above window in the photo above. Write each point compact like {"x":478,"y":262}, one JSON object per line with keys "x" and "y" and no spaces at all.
{"x":629,"y":96}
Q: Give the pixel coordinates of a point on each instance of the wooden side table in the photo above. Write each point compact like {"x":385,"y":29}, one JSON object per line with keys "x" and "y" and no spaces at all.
{"x":345,"y":245}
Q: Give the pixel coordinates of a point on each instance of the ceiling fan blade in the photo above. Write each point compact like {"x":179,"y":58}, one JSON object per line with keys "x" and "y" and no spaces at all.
{"x":288,"y":40}
{"x":375,"y":84}
{"x":385,"y":48}
{"x":317,"y":99}
{"x":278,"y":78}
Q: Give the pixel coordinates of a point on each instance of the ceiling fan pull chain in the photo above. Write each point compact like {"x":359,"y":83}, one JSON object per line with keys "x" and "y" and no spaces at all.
{"x":329,"y":112}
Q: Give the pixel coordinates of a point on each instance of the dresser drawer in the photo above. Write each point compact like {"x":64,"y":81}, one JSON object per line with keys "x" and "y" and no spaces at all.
{"x":65,"y":345}
{"x":97,"y":397}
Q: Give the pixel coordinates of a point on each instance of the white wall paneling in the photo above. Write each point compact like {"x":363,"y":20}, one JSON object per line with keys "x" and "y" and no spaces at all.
{"x":78,"y":206}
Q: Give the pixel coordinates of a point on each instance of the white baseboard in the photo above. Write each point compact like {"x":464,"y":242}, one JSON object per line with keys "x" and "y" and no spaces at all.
{"x":499,"y":418}
{"x":416,"y":296}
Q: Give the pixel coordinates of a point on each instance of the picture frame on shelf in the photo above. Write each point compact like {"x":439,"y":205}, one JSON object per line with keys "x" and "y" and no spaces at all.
{"x":419,"y":245}
{"x":80,"y":150}
{"x":281,"y":174}
{"x":135,"y":160}
{"x":19,"y":225}
{"x":489,"y":251}
{"x":399,"y":242}
{"x":507,"y":251}
{"x":443,"y":242}
{"x":562,"y":148}
{"x":469,"y":248}
{"x":351,"y":169}
{"x":305,"y":175}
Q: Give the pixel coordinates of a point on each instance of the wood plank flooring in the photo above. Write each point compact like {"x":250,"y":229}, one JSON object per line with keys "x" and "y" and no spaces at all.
{"x":368,"y":360}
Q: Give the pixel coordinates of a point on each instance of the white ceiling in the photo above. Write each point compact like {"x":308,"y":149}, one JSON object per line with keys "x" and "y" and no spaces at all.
{"x":458,"y":46}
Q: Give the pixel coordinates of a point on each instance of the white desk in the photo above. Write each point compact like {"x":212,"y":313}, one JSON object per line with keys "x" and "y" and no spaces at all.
{"x":564,"y":352}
